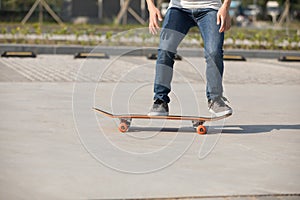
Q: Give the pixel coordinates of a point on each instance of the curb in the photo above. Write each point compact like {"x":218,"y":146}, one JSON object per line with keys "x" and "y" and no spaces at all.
{"x":138,"y":51}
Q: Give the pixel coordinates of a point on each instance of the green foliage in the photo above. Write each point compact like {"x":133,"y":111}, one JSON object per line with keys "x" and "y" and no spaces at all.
{"x":108,"y":35}
{"x":61,"y":31}
{"x":243,"y":38}
{"x":262,"y":38}
{"x":3,"y":30}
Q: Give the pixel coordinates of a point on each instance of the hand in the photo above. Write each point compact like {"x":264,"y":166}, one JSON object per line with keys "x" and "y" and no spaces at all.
{"x":154,"y":16}
{"x":223,"y":18}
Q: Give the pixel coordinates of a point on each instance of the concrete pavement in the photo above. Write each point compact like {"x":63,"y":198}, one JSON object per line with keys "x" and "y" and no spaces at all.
{"x":53,"y":146}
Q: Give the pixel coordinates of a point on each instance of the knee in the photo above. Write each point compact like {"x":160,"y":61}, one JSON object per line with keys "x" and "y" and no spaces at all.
{"x":213,"y":54}
{"x":165,"y":57}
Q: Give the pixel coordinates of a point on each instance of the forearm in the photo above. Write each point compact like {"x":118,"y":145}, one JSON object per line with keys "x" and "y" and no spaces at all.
{"x":226,"y":4}
{"x":150,"y":4}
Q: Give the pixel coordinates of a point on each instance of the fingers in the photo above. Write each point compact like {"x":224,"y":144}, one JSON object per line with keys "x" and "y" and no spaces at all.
{"x":222,"y":26}
{"x":218,"y":18}
{"x":154,"y":24}
{"x":153,"y":27}
{"x":159,"y":16}
{"x":228,"y":24}
{"x":224,"y":21}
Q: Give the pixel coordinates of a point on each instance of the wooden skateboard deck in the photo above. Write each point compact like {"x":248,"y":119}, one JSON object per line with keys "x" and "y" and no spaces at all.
{"x":125,"y":119}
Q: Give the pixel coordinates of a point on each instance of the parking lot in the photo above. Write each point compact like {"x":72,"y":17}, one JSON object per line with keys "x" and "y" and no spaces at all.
{"x":53,"y":146}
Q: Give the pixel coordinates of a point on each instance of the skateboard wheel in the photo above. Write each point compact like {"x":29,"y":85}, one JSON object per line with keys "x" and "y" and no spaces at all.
{"x":123,"y":127}
{"x":201,"y":129}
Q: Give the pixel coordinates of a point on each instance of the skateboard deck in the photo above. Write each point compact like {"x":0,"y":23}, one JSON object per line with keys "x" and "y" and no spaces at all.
{"x":125,"y":119}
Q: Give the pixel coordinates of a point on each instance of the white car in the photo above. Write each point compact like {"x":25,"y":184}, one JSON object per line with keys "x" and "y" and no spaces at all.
{"x":253,"y":10}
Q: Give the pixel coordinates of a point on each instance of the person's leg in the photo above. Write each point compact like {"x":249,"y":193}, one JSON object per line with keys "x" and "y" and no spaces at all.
{"x":176,"y":24}
{"x":213,"y":51}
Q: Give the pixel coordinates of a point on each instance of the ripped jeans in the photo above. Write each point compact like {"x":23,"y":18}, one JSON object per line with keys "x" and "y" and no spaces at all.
{"x":176,"y":25}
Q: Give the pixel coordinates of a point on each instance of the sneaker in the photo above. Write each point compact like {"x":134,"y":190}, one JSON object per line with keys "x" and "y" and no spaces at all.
{"x":159,"y":108}
{"x":218,"y":107}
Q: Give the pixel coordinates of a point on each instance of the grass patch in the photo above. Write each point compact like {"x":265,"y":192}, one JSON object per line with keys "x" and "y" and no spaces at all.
{"x":270,"y":37}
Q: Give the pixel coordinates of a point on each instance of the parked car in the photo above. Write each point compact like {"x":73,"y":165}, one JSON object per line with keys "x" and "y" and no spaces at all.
{"x":273,"y":10}
{"x":235,"y":8}
{"x":252,"y":10}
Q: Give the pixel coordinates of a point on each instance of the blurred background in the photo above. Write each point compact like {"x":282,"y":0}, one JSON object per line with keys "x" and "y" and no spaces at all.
{"x":243,"y":12}
{"x":271,"y":24}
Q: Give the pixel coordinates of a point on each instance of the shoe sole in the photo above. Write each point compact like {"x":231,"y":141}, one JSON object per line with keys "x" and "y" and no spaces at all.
{"x":158,"y":114}
{"x":219,"y":114}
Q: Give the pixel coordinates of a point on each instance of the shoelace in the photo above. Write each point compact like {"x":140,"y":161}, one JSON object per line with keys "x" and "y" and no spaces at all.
{"x":220,"y":101}
{"x":225,"y":99}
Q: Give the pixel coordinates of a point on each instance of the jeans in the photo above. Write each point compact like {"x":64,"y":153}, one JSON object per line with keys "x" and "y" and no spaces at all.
{"x":176,"y":25}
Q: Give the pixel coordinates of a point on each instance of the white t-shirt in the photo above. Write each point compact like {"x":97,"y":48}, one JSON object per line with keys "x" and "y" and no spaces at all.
{"x":190,"y":4}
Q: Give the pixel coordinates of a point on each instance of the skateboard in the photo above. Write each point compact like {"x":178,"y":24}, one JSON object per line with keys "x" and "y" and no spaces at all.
{"x":125,"y":120}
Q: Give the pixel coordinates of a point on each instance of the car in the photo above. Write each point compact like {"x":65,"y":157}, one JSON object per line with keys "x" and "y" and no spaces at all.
{"x":273,"y":10}
{"x":252,"y":10}
{"x":235,"y":8}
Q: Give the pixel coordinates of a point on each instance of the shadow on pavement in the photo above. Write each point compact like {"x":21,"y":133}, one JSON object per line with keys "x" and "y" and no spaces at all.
{"x":228,"y":129}
{"x":250,"y":129}
{"x":160,"y":129}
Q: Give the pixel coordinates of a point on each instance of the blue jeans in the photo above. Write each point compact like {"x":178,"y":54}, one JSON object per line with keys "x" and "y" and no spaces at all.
{"x":176,"y":25}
